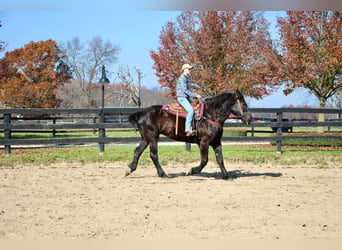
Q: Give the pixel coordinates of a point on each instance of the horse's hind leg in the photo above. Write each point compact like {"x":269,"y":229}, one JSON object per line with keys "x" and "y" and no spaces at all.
{"x":154,"y":157}
{"x":137,"y":153}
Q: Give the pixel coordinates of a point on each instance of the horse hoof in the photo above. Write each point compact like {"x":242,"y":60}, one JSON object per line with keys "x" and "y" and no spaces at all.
{"x":163,"y":175}
{"x":232,"y":176}
{"x":128,"y":171}
{"x":189,"y":173}
{"x":229,"y":177}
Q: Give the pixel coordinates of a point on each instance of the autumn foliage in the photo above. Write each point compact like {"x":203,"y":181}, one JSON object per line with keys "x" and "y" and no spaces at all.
{"x":29,"y":76}
{"x":312,"y":52}
{"x":230,"y":50}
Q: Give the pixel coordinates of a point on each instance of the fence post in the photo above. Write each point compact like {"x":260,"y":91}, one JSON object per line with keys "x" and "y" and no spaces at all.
{"x":54,"y":130}
{"x":94,"y":121}
{"x":7,"y":132}
{"x":279,"y":131}
{"x":188,"y":146}
{"x":102,"y":133}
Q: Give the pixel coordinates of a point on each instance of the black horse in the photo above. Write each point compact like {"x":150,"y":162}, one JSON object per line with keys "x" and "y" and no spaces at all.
{"x":153,"y":121}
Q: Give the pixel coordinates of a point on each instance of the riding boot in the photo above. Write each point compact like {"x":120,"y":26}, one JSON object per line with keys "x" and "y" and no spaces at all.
{"x":191,"y":132}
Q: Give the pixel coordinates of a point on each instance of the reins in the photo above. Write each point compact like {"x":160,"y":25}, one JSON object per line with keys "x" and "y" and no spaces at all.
{"x":214,"y":123}
{"x":241,"y":111}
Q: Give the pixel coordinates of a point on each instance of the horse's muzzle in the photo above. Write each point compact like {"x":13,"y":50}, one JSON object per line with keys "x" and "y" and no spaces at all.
{"x":247,"y":118}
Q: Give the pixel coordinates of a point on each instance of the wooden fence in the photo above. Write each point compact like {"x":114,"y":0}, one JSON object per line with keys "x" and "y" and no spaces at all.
{"x":91,"y":120}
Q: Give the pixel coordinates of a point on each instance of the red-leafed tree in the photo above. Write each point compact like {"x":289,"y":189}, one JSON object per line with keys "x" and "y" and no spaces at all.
{"x":30,"y":76}
{"x":312,"y":52}
{"x":229,"y":50}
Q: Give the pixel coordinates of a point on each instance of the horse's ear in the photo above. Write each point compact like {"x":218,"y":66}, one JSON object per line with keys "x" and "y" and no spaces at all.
{"x":238,"y":93}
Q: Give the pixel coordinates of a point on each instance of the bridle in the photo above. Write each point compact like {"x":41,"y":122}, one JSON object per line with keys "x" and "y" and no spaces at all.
{"x":241,"y":111}
{"x":240,"y":107}
{"x":239,"y":103}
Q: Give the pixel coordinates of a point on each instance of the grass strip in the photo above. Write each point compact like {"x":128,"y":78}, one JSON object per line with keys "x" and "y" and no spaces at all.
{"x":169,"y":155}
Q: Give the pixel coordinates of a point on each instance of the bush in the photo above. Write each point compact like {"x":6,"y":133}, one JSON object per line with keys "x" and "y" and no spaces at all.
{"x":312,"y":143}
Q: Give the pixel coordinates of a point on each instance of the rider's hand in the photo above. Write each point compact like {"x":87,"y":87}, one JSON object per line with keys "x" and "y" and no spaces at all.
{"x":199,"y":96}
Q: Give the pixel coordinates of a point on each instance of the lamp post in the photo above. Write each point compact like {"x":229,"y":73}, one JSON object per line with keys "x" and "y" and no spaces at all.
{"x":103,"y":80}
{"x":102,"y":133}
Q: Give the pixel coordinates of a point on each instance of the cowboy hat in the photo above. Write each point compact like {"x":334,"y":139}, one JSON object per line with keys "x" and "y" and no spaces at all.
{"x":186,"y":66}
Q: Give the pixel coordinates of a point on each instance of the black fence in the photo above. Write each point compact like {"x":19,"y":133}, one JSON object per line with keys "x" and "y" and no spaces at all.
{"x":99,"y":120}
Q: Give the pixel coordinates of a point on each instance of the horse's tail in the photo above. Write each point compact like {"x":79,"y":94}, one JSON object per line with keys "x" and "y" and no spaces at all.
{"x":134,"y":118}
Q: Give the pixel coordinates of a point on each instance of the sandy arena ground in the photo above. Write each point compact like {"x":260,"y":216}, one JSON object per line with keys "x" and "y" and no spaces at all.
{"x":96,"y":201}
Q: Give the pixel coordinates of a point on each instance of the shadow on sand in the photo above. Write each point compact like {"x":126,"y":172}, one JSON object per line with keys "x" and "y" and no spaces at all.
{"x":235,"y":174}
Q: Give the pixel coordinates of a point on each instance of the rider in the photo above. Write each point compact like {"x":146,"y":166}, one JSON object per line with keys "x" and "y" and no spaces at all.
{"x":183,"y":96}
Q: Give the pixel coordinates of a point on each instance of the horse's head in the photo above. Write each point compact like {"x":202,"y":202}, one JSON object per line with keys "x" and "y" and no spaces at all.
{"x":240,"y":108}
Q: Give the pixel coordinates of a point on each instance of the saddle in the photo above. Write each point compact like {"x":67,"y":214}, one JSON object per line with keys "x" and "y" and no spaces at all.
{"x":175,"y":106}
{"x":176,"y":109}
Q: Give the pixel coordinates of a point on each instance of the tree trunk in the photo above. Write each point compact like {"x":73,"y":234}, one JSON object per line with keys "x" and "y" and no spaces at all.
{"x":321,"y":117}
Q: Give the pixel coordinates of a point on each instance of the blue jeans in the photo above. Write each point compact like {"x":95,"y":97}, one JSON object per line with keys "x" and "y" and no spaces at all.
{"x":185,"y":102}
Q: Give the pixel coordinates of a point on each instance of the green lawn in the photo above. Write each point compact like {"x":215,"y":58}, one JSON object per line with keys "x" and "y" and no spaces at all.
{"x":294,"y":152}
{"x":265,"y":154}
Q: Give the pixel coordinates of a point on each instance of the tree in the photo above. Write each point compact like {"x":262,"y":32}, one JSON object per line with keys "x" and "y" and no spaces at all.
{"x":312,"y":52}
{"x":85,"y":61}
{"x":70,"y":95}
{"x":29,"y":76}
{"x":336,"y":100}
{"x":230,"y":50}
{"x":119,"y":95}
{"x":133,"y":86}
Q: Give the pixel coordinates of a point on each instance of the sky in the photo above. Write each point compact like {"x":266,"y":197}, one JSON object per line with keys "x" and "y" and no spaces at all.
{"x":134,"y":26}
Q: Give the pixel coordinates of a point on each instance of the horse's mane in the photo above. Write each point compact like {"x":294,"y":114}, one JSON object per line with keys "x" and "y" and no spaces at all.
{"x":217,"y":101}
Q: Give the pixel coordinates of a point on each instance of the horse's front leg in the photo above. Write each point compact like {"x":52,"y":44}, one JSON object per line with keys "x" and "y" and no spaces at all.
{"x":154,"y":157}
{"x":137,"y":153}
{"x":204,"y":159}
{"x":219,"y":159}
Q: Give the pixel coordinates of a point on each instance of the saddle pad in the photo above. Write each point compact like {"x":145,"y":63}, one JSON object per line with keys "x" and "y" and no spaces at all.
{"x":181,"y":112}
{"x":174,"y":112}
